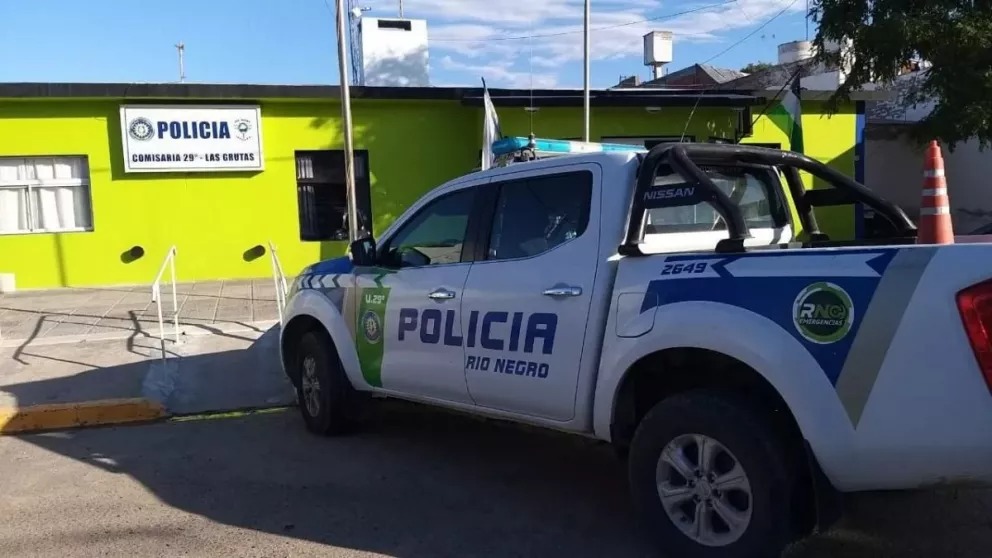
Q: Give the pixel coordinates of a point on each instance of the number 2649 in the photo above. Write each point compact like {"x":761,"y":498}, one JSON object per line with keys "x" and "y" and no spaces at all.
{"x":679,"y":268}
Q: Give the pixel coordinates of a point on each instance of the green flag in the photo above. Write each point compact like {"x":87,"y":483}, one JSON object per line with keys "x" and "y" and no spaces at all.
{"x":787,"y":115}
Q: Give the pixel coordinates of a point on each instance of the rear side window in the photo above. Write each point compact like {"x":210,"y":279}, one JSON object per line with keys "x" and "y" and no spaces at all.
{"x":750,"y":189}
{"x":536,"y":214}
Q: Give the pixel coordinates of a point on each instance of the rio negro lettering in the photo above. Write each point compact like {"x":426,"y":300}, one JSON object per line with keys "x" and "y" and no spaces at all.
{"x":516,"y":332}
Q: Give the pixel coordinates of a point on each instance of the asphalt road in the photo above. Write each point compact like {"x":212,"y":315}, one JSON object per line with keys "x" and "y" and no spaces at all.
{"x":418,"y":483}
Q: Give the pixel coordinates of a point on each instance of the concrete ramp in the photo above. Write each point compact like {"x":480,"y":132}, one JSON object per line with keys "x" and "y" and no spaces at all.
{"x":220,"y":373}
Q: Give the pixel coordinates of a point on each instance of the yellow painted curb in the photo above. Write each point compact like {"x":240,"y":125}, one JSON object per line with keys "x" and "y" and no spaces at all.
{"x":73,"y":415}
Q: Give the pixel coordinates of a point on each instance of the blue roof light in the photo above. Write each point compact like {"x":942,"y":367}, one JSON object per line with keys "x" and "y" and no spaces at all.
{"x":506,"y":146}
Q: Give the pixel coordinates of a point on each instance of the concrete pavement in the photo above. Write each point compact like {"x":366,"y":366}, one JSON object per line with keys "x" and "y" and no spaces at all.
{"x":93,"y":356}
{"x":418,"y":483}
{"x":92,"y":314}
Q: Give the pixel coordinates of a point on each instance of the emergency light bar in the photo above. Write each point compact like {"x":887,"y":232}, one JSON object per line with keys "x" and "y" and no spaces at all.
{"x":507,"y":146}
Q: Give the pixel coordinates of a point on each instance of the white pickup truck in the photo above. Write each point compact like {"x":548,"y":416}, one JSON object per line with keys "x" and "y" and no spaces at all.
{"x":682,"y":304}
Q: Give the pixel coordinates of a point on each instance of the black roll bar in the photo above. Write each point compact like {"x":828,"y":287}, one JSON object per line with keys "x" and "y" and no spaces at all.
{"x":683,"y":158}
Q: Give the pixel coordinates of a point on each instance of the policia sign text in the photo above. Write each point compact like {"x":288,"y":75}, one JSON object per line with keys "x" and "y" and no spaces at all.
{"x":185,"y":138}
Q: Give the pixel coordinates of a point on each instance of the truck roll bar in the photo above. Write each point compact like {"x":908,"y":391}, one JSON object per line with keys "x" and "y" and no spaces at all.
{"x":685,"y":159}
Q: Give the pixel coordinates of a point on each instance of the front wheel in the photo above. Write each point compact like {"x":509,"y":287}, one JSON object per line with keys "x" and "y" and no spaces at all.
{"x":327,"y":400}
{"x":710,"y":478}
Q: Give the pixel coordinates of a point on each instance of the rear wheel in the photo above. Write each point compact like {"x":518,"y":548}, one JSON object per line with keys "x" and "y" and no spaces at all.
{"x":327,"y":400}
{"x":710,"y":478}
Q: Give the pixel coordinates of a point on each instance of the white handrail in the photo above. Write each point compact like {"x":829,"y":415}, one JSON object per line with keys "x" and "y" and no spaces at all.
{"x":170,"y":260}
{"x":279,"y":281}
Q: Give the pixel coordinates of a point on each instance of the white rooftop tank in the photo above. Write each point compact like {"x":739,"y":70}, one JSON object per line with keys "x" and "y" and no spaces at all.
{"x":794,"y":51}
{"x":393,"y":52}
{"x":657,"y":51}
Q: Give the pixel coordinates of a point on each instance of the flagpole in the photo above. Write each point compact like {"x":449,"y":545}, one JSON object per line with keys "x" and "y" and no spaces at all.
{"x":349,"y":149}
{"x":585,"y":87}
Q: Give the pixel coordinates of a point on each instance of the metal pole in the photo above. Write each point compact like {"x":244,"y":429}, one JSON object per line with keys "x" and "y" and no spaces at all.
{"x":585,"y":92}
{"x":349,"y":150}
{"x":182,"y":70}
{"x":175,"y":300}
{"x":401,"y":8}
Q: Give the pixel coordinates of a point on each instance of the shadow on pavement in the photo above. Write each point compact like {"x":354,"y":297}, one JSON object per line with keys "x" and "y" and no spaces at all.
{"x":204,"y":373}
{"x":421,"y":483}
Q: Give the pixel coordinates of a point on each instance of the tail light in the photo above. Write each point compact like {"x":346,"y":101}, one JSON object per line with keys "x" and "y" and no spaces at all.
{"x":975,"y":307}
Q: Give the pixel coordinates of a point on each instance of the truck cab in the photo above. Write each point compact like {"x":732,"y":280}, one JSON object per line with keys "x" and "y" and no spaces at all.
{"x":682,"y":304}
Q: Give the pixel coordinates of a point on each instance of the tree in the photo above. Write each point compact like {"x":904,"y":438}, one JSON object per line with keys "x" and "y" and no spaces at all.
{"x":953,"y":35}
{"x":755,"y":67}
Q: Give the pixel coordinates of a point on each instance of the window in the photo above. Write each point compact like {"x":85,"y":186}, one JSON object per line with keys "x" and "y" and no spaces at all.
{"x":322,"y":194}
{"x":536,"y":214}
{"x":750,"y":188}
{"x":44,"y":194}
{"x":434,"y":235}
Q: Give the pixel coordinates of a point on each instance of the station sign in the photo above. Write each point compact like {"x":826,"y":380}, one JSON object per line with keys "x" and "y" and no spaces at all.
{"x":191,"y":138}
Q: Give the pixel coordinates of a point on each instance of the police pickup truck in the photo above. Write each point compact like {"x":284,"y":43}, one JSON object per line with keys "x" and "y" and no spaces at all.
{"x":683,"y":305}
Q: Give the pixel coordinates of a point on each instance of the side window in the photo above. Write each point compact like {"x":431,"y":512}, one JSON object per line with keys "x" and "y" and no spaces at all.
{"x":435,"y":234}
{"x":750,"y":189}
{"x":536,"y":214}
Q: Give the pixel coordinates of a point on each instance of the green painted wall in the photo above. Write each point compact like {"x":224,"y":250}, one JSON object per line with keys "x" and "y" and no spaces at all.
{"x":215,"y":218}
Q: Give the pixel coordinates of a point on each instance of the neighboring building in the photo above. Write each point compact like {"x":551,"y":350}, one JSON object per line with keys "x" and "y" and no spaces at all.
{"x":897,"y":162}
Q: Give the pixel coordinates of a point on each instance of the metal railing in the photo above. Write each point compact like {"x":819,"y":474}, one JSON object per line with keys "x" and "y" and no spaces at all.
{"x":279,"y":281}
{"x":170,"y":260}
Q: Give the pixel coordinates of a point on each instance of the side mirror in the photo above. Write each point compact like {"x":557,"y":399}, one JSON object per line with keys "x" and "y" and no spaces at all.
{"x":363,"y":252}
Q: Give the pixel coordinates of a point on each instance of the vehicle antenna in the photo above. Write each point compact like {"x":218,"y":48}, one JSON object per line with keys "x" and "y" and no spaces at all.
{"x":530,"y":64}
{"x":688,"y":120}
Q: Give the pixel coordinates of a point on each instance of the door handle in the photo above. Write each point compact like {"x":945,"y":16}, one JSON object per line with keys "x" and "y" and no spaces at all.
{"x":563,"y":291}
{"x":441,"y":294}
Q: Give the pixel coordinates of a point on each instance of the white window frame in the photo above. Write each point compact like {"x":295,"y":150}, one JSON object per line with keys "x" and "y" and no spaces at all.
{"x":83,"y":184}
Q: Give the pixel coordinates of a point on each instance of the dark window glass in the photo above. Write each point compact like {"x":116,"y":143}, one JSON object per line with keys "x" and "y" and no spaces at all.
{"x":322,"y":194}
{"x":536,"y":214}
{"x":434,"y":235}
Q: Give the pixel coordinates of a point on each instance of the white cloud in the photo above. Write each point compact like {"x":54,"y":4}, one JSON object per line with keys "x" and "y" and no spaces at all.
{"x":473,"y":38}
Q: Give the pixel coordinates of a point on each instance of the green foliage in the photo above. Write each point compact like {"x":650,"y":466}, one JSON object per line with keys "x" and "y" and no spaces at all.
{"x":954,"y":35}
{"x":754,"y":67}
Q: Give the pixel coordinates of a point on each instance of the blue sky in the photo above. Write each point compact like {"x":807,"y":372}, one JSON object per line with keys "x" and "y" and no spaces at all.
{"x":293,"y":41}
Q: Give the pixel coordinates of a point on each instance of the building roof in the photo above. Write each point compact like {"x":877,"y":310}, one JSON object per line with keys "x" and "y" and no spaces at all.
{"x":721,"y":75}
{"x":711,"y":75}
{"x":773,"y":76}
{"x":900,"y":109}
{"x":172,"y":92}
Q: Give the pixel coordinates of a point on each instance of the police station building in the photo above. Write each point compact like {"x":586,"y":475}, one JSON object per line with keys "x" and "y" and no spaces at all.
{"x":98,"y":181}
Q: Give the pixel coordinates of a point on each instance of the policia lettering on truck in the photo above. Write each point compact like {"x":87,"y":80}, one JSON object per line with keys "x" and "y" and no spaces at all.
{"x":488,"y":330}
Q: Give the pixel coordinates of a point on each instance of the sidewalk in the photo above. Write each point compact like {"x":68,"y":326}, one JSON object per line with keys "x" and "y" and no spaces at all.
{"x":76,"y":314}
{"x":73,"y":357}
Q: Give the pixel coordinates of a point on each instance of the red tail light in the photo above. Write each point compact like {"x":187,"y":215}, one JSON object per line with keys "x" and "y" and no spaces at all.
{"x":975,"y":306}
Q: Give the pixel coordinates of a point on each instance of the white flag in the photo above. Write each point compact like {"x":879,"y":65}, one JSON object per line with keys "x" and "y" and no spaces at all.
{"x":490,"y":128}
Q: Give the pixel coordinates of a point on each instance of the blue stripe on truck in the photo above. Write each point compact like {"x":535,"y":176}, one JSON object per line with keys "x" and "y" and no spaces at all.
{"x":772,"y":292}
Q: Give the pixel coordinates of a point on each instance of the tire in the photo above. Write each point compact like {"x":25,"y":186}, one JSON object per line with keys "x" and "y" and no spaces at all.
{"x":331,"y":405}
{"x":741,"y":436}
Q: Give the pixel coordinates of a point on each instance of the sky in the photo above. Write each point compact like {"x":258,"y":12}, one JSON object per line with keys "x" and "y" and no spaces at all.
{"x":535,"y":43}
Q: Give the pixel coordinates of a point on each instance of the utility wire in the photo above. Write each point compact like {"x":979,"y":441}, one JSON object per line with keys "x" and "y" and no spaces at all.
{"x":751,"y":34}
{"x":773,"y":100}
{"x":615,"y":26}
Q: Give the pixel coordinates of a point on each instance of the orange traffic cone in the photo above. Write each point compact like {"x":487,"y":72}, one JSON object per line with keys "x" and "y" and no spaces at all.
{"x":935,"y":208}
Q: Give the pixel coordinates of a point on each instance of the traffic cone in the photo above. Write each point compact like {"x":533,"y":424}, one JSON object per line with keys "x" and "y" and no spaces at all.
{"x":935,"y":208}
